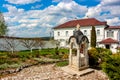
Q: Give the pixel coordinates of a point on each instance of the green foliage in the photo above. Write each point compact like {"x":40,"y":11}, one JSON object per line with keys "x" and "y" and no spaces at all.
{"x":111,"y":66}
{"x":64,"y":50}
{"x":3,"y":27}
{"x":61,"y":64}
{"x":6,"y":65}
{"x":97,"y":54}
{"x":65,"y":56}
{"x":93,"y":37}
{"x":105,"y":51}
{"x":93,"y":56}
{"x":7,"y":59}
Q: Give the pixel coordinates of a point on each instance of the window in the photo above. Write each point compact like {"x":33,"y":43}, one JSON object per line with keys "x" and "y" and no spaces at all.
{"x":58,"y":33}
{"x":85,"y":32}
{"x":98,"y":32}
{"x":110,"y":33}
{"x":66,"y":33}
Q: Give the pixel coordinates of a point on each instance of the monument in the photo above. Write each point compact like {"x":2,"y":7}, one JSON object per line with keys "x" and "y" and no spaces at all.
{"x":78,"y":56}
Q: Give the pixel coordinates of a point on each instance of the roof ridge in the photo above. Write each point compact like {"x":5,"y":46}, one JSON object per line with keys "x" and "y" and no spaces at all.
{"x":82,"y":22}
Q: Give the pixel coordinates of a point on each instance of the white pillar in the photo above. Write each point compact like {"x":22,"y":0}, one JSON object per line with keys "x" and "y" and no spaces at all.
{"x":86,"y":56}
{"x":70,"y":57}
{"x":78,"y":58}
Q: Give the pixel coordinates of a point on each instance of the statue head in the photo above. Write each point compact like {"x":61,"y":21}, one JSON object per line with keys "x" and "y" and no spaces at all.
{"x":78,"y":27}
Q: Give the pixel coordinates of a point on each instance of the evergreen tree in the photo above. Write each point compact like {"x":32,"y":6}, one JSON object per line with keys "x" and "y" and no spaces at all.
{"x":3,"y":26}
{"x":93,"y":37}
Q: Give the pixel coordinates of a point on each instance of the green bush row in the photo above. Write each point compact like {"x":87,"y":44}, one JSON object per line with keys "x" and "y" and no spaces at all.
{"x":108,"y":62}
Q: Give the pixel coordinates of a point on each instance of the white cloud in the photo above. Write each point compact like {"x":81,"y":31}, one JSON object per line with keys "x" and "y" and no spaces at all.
{"x":62,"y":20}
{"x":37,"y":6}
{"x":39,"y":22}
{"x":110,"y":2}
{"x":107,"y":10}
{"x":22,"y":21}
{"x":22,"y":1}
{"x":94,"y":11}
{"x":66,"y":1}
{"x":113,"y":21}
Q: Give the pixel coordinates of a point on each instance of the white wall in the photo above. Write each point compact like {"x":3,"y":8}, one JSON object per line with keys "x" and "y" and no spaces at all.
{"x":112,"y":47}
{"x":115,"y":34}
{"x":63,"y":33}
{"x":100,"y":36}
{"x":63,"y":38}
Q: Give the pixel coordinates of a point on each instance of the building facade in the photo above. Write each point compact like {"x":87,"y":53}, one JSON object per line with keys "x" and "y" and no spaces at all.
{"x":103,"y":32}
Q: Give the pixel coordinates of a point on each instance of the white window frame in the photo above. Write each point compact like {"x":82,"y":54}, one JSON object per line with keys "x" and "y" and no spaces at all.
{"x":110,"y":33}
{"x":66,"y":33}
{"x":98,"y":31}
{"x":58,"y":33}
{"x":85,"y":32}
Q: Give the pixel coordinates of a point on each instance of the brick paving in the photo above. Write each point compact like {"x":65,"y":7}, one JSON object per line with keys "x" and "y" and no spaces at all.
{"x":50,"y":72}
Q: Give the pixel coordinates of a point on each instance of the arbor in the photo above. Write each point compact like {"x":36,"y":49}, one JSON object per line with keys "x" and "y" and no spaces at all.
{"x":3,"y":26}
{"x":93,"y":37}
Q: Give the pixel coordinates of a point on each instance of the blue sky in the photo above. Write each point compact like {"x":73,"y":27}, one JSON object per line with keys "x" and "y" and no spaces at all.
{"x":36,"y":18}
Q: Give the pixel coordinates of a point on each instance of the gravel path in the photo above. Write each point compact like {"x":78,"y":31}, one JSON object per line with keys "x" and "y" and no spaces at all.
{"x":50,"y":72}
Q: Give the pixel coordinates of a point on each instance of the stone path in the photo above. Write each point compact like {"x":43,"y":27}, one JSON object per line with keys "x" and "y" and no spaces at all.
{"x":50,"y":72}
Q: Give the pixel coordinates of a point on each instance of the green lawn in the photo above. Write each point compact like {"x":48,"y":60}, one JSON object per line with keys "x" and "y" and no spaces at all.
{"x":13,"y":60}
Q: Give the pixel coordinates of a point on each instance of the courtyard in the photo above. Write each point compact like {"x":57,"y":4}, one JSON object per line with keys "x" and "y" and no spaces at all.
{"x":51,"y":72}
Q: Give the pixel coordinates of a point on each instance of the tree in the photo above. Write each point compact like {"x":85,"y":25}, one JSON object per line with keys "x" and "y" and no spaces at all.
{"x":9,"y":43}
{"x":3,"y":26}
{"x":93,"y":37}
{"x":28,"y":43}
{"x":39,"y":43}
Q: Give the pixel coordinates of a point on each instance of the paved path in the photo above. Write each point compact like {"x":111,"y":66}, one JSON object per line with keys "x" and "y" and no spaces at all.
{"x":50,"y":72}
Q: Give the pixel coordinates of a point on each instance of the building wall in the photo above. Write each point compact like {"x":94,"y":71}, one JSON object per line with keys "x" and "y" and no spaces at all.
{"x":63,"y":38}
{"x":63,"y":33}
{"x":115,"y":34}
{"x":112,"y":47}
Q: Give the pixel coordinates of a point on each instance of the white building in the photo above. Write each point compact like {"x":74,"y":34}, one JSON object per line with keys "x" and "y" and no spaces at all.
{"x":107,"y":36}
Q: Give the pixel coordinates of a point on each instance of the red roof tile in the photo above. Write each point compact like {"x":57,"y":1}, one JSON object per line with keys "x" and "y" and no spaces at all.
{"x":82,"y":22}
{"x":113,"y":27}
{"x":108,"y":41}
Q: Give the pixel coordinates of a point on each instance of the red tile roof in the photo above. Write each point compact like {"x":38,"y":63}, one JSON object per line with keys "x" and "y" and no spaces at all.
{"x":82,"y":22}
{"x":113,"y":27}
{"x":108,"y":41}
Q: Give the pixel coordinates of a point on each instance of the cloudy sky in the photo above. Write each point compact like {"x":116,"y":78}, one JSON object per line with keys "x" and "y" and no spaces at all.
{"x":36,"y":18}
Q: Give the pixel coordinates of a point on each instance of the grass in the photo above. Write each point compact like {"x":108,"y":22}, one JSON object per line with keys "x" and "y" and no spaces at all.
{"x":61,"y":64}
{"x":11,"y":60}
{"x":6,"y":65}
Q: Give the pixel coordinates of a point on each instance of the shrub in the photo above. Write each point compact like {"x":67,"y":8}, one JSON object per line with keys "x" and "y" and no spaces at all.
{"x":93,"y":57}
{"x":65,"y":56}
{"x":111,"y":66}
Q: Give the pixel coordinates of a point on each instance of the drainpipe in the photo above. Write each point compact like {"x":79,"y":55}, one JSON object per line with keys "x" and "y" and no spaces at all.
{"x":118,"y":36}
